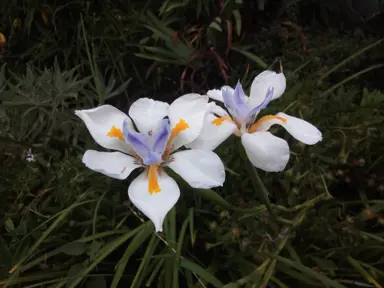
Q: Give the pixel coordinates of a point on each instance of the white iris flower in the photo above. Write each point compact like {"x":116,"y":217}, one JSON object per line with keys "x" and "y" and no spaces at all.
{"x":153,"y":146}
{"x":264,"y":150}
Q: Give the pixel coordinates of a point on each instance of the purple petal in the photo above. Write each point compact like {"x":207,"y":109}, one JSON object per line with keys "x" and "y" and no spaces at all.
{"x":160,"y":138}
{"x":267,"y":99}
{"x":139,"y":143}
{"x":241,"y":107}
{"x":227,"y":93}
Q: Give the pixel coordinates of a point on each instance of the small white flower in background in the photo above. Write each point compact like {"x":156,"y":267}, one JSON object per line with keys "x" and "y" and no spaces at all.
{"x":264,"y":150}
{"x":29,"y":156}
{"x":153,"y":147}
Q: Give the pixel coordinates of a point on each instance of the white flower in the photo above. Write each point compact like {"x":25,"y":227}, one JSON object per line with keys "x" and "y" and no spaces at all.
{"x":263,"y":149}
{"x":153,"y":147}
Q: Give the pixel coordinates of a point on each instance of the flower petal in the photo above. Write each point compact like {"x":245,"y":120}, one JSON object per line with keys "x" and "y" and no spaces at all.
{"x":212,"y":135}
{"x":101,"y":121}
{"x":216,"y":109}
{"x":156,"y":205}
{"x":200,"y":168}
{"x":190,"y":108}
{"x":113,"y":164}
{"x":261,"y":84}
{"x":301,"y":130}
{"x":148,"y":114}
{"x":215,"y":94}
{"x":266,"y":151}
{"x":240,"y":100}
{"x":161,"y":137}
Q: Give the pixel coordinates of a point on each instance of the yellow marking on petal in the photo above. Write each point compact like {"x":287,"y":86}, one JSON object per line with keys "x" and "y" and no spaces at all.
{"x":153,"y":184}
{"x":116,"y":132}
{"x":254,"y":127}
{"x":182,"y":125}
{"x":219,"y":121}
{"x":122,"y":171}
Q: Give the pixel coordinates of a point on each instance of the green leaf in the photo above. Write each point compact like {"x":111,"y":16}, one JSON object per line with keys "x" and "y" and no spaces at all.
{"x":353,"y":56}
{"x":308,"y":271}
{"x":96,"y":282}
{"x":215,"y":197}
{"x":259,"y":188}
{"x":73,"y":249}
{"x":191,"y":226}
{"x":180,"y":242}
{"x":142,"y":271}
{"x":154,"y":273}
{"x":137,"y":241}
{"x":9,"y":226}
{"x":237,"y":15}
{"x":201,"y":272}
{"x":73,"y":273}
{"x":107,"y":250}
{"x":252,"y":57}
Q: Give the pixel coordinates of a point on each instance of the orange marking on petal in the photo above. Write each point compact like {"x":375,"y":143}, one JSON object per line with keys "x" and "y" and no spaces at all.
{"x":153,"y":184}
{"x":182,"y":125}
{"x":219,"y":121}
{"x":122,"y":171}
{"x":254,"y":127}
{"x":116,"y":132}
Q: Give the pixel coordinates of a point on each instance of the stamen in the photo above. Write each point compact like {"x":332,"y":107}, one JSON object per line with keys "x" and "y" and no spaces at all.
{"x":182,"y":125}
{"x":219,"y":121}
{"x":153,"y":184}
{"x":116,"y":132}
{"x":254,"y":127}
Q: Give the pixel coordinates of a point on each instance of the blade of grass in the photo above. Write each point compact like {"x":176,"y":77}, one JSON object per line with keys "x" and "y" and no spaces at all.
{"x":203,"y":273}
{"x":136,"y":242}
{"x":57,"y":251}
{"x":260,"y":189}
{"x":180,"y":242}
{"x":108,"y":249}
{"x":252,"y":57}
{"x":345,"y":61}
{"x":356,"y":265}
{"x":366,"y":70}
{"x":308,"y":271}
{"x":44,"y":235}
{"x":141,"y":272}
{"x":154,"y":273}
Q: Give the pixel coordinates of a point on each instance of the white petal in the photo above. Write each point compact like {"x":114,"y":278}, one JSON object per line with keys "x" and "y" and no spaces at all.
{"x":155,"y":206}
{"x":302,"y":130}
{"x":215,"y":94}
{"x":200,"y":168}
{"x":113,"y":164}
{"x":266,"y":151}
{"x":147,"y":114}
{"x":191,"y":108}
{"x":260,"y":86}
{"x":216,"y":109}
{"x":99,"y":122}
{"x":211,"y":136}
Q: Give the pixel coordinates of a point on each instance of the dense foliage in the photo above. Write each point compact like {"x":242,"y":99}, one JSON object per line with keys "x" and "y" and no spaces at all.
{"x":318,"y":224}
